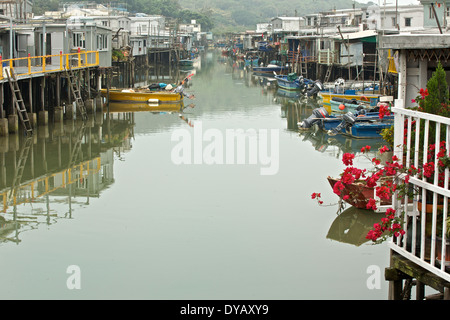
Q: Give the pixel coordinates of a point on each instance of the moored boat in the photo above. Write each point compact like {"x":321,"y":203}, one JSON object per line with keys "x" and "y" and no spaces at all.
{"x":287,"y":83}
{"x":365,"y":125}
{"x":327,"y":96}
{"x":365,"y":129}
{"x":271,"y":68}
{"x":341,"y":105}
{"x":292,"y":82}
{"x":130,"y":95}
{"x":186,"y":62}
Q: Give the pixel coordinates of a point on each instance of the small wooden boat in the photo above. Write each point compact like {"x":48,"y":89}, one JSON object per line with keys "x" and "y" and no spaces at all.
{"x":342,"y":105}
{"x":186,"y":62}
{"x":291,"y":82}
{"x":358,"y":193}
{"x":367,"y":130}
{"x":367,"y":126}
{"x":131,"y":95}
{"x":270,"y":69}
{"x":327,"y":96}
{"x":252,"y":62}
{"x":251,"y":59}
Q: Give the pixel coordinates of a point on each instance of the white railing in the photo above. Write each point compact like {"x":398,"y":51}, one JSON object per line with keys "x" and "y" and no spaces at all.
{"x":425,"y":229}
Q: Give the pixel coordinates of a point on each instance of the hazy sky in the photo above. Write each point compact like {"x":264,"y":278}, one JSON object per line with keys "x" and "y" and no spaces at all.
{"x":400,"y":2}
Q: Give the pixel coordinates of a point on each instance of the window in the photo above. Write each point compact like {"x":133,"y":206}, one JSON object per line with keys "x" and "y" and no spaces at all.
{"x":448,"y":11}
{"x":102,"y":42}
{"x":394,"y":22}
{"x":431,"y":12}
{"x":78,"y":40}
{"x":408,"y":22}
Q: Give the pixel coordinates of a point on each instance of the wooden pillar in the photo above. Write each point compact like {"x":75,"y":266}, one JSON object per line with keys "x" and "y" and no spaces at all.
{"x":43,"y":94}
{"x":447,"y":293}
{"x":2,"y":111}
{"x":43,"y":115}
{"x":402,"y":76}
{"x":88,"y":82}
{"x":58,"y":89}
{"x":132,"y":73}
{"x":420,"y":290}
{"x":30,"y":94}
{"x":108,"y":85}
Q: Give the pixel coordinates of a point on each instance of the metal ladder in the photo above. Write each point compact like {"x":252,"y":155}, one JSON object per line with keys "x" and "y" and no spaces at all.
{"x":76,"y":152}
{"x":76,"y":93}
{"x":20,"y":167}
{"x":18,"y":102}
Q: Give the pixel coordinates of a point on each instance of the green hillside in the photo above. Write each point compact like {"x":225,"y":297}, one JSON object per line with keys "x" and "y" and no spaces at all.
{"x":219,"y":16}
{"x":231,"y":15}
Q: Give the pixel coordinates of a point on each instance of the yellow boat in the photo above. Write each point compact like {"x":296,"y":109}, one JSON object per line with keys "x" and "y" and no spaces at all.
{"x":138,"y":106}
{"x":327,"y":96}
{"x":135,"y":95}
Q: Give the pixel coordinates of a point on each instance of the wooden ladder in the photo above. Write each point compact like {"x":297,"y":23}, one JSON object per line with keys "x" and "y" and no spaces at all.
{"x":20,"y":167}
{"x":303,"y":67}
{"x":76,"y":93}
{"x":18,"y":102}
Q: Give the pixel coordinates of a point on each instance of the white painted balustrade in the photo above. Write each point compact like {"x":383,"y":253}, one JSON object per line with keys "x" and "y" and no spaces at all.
{"x":424,"y":231}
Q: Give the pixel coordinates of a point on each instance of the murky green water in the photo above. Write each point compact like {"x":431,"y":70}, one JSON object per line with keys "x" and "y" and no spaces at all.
{"x":130,"y":223}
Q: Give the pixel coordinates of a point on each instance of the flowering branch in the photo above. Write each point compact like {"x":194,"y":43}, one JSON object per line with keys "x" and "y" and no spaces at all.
{"x":384,"y":181}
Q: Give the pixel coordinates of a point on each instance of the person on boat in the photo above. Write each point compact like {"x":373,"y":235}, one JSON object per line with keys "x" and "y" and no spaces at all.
{"x":180,"y":89}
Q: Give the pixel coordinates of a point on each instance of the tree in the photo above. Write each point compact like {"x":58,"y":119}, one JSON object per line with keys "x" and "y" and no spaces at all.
{"x":437,"y":99}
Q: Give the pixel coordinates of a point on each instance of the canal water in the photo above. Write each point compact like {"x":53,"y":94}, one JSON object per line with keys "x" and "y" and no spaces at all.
{"x":158,"y":205}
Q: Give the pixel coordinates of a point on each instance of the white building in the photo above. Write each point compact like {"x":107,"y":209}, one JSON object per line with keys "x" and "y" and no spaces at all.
{"x":403,"y":18}
{"x":287,"y":24}
{"x":192,"y":27}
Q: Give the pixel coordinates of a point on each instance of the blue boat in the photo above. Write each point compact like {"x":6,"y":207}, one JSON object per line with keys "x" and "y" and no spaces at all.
{"x":367,"y":125}
{"x":365,"y":130}
{"x":186,"y":62}
{"x":342,"y":105}
{"x":292,"y":82}
{"x":270,"y":69}
{"x":252,"y":62}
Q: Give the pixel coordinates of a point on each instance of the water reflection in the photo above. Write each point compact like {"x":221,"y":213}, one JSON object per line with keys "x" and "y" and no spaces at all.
{"x":322,"y":142}
{"x":352,"y":226}
{"x":128,"y":227}
{"x":46,"y":176}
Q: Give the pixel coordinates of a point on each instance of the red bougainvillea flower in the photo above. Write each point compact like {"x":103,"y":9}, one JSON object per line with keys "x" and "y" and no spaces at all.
{"x":383,"y":192}
{"x":316,"y":195}
{"x":371,"y":204}
{"x":383,"y":149}
{"x":338,"y":187}
{"x":347,"y":159}
{"x":423,"y":93}
{"x":428,"y":169}
{"x":383,"y":111}
{"x":364,"y":149}
{"x":376,"y":161}
{"x":413,"y":100}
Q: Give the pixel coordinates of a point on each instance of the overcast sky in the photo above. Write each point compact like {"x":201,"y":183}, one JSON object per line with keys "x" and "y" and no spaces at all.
{"x":391,"y":2}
